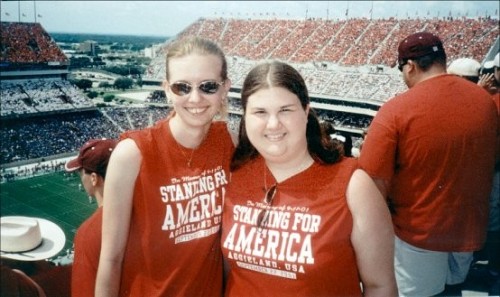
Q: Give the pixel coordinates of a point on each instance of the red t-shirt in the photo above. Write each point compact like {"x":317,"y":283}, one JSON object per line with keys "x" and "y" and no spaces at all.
{"x":436,"y":145}
{"x":306,"y":249}
{"x":173,"y":247}
{"x":86,"y":256}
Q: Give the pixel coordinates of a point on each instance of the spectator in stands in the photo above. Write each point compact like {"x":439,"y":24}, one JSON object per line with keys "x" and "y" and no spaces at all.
{"x":91,"y":163}
{"x":165,"y":187}
{"x":25,"y":268}
{"x":491,"y":72}
{"x":340,"y":139}
{"x":320,"y":216}
{"x":465,"y":67}
{"x":469,"y":69}
{"x":346,"y":141}
{"x":431,"y":151}
{"x":492,"y":245}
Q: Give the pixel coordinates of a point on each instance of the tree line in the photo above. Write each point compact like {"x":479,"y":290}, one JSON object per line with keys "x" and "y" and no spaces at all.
{"x":121,"y":83}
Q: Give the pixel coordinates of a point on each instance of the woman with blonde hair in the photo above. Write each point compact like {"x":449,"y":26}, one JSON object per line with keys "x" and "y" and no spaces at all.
{"x":165,"y":187}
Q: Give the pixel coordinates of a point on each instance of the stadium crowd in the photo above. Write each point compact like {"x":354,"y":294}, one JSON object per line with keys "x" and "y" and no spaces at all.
{"x":345,"y":59}
{"x":39,"y":168}
{"x":38,"y":137}
{"x":325,"y":51}
{"x":363,"y":82}
{"x":342,"y":119}
{"x":40,"y":95}
{"x":28,"y":43}
{"x":351,"y":62}
{"x":352,"y":42}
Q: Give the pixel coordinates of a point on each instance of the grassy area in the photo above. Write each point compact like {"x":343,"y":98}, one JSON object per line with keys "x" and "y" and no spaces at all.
{"x":54,"y":197}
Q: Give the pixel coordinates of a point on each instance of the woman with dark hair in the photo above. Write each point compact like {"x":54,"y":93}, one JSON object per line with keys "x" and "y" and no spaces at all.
{"x":299,"y":218}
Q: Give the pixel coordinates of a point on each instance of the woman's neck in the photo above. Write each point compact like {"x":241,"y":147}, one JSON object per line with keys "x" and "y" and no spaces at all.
{"x":284,"y":170}
{"x":98,"y":195}
{"x":187,"y":136}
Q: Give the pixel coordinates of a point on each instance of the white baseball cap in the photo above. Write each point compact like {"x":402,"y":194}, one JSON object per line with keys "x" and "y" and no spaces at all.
{"x":464,"y":67}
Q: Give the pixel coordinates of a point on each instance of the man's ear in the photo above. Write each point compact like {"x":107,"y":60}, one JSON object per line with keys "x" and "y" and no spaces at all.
{"x":412,"y":65}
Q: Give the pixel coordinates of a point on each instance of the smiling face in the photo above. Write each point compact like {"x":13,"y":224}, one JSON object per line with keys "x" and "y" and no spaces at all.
{"x":276,"y":124}
{"x":196,"y":108}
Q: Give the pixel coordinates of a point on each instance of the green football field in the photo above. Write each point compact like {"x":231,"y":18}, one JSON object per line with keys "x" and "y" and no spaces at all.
{"x":55,"y":197}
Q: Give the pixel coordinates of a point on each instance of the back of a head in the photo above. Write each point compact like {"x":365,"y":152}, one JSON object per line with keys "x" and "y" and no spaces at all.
{"x":425,"y":48}
{"x":328,"y":127}
{"x":465,"y":67}
{"x":93,"y":156}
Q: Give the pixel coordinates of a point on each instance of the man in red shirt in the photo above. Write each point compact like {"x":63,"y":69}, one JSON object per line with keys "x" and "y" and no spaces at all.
{"x":431,"y":151}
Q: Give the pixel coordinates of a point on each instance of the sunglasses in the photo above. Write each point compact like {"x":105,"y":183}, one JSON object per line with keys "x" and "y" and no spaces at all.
{"x":268,"y":199}
{"x":402,"y":64}
{"x":208,"y":87}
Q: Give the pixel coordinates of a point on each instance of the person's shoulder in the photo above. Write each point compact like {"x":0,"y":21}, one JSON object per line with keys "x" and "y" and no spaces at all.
{"x":349,"y":161}
{"x":92,"y":222}
{"x":250,"y":167}
{"x":476,"y":92}
{"x":349,"y":164}
{"x":345,"y":166}
{"x":221,"y":129}
{"x":126,"y":151}
{"x":397,"y":100}
{"x":90,"y":228}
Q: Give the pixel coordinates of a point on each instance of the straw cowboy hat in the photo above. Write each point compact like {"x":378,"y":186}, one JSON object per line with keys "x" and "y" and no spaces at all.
{"x":30,"y":239}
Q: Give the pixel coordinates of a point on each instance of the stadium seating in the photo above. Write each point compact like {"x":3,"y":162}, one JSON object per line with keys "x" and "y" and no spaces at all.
{"x":28,"y":43}
{"x":332,"y":54}
{"x":37,"y":137}
{"x":40,"y":95}
{"x":343,"y":61}
{"x":350,"y":42}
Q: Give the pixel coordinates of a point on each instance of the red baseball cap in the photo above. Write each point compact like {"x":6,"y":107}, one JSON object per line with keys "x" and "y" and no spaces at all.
{"x":94,"y":156}
{"x":418,"y":45}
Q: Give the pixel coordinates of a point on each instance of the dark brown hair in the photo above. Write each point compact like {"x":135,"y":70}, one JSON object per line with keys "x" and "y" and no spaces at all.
{"x":279,"y":74}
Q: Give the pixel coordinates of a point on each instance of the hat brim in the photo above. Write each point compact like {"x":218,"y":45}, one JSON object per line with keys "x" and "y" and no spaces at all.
{"x":53,"y":241}
{"x":72,"y":165}
{"x":489,"y":64}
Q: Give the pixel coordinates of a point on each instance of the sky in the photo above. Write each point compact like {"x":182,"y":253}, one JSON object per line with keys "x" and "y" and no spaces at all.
{"x":168,"y":18}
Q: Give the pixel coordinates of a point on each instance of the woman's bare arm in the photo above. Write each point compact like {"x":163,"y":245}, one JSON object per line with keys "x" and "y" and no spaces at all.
{"x":372,"y":236}
{"x":119,"y":185}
